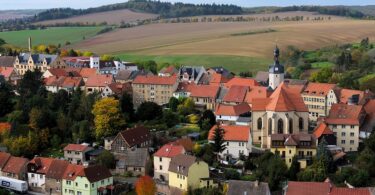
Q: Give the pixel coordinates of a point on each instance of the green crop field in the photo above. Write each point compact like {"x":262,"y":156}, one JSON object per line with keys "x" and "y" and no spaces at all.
{"x":55,"y":35}
{"x":235,"y":64}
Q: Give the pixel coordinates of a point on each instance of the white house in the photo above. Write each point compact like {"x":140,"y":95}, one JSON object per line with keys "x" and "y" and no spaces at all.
{"x":162,"y":159}
{"x":231,"y":113}
{"x":237,"y":140}
{"x":37,"y":169}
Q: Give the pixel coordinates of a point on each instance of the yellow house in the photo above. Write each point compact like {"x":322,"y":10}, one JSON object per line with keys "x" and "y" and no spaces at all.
{"x":187,"y":171}
{"x":301,"y":145}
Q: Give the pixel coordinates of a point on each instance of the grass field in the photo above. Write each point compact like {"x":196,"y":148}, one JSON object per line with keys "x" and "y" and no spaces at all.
{"x":322,"y":65}
{"x":234,"y":63}
{"x":47,"y":36}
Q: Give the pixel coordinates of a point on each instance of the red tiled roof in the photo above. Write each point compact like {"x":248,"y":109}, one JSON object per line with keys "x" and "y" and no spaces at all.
{"x":322,"y":129}
{"x":208,"y":91}
{"x":4,"y":157}
{"x":75,"y":147}
{"x":87,"y":72}
{"x":232,"y":110}
{"x":232,"y":133}
{"x":370,"y":107}
{"x":218,"y":78}
{"x":43,"y":164}
{"x":15,"y":165}
{"x":156,"y":80}
{"x":58,"y":72}
{"x":72,"y":171}
{"x":236,"y":93}
{"x":345,"y":114}
{"x":308,"y":188}
{"x":118,"y":88}
{"x":6,"y":71}
{"x":345,"y":94}
{"x":241,"y":82}
{"x":170,"y":150}
{"x":283,"y":99}
{"x":57,"y":169}
{"x":350,"y":191}
{"x":257,"y":92}
{"x":99,"y":80}
{"x":319,"y":89}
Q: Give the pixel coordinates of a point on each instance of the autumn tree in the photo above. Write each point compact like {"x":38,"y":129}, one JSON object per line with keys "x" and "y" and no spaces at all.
{"x":107,"y":119}
{"x":145,"y":185}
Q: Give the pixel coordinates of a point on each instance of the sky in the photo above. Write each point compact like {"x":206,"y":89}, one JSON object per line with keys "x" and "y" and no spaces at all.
{"x":43,"y":4}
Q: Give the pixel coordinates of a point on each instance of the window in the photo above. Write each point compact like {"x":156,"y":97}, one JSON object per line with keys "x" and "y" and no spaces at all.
{"x":342,"y":141}
{"x":102,"y":182}
{"x":41,"y":176}
{"x":79,"y":193}
{"x":227,"y":143}
{"x":86,"y":185}
{"x":280,"y":126}
{"x":351,"y":142}
{"x":269,"y":126}
{"x":92,"y":185}
{"x":290,"y":151}
{"x":259,"y":123}
{"x":160,"y":159}
{"x":76,"y":183}
{"x":351,"y":134}
{"x":343,"y":134}
{"x":352,"y":126}
{"x":259,"y":138}
{"x":161,"y":167}
{"x":343,"y":126}
{"x":290,"y":126}
{"x":300,"y":123}
{"x":32,"y":175}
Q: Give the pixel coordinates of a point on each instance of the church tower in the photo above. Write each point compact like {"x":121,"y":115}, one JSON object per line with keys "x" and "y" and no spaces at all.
{"x":276,"y":71}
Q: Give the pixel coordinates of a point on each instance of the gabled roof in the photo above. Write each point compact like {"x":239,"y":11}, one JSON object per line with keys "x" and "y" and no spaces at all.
{"x":57,"y":169}
{"x":58,"y":72}
{"x":136,"y":135}
{"x":170,"y":150}
{"x":262,"y":76}
{"x":43,"y":164}
{"x":232,"y":132}
{"x":319,"y":89}
{"x":181,"y":163}
{"x":95,"y":173}
{"x":4,"y":157}
{"x":217,"y":78}
{"x":72,"y":171}
{"x":248,"y":82}
{"x":236,"y":94}
{"x":87,"y":72}
{"x":322,"y":129}
{"x":7,"y":61}
{"x":76,"y":147}
{"x":99,"y":80}
{"x":295,"y":139}
{"x":344,"y":114}
{"x":256,"y":93}
{"x":283,"y":99}
{"x":232,"y":110}
{"x":347,"y":94}
{"x":308,"y":188}
{"x":119,"y":88}
{"x":134,"y":158}
{"x":236,"y":187}
{"x":6,"y":71}
{"x":15,"y":165}
{"x":205,"y":91}
{"x":155,"y":80}
{"x":123,"y":75}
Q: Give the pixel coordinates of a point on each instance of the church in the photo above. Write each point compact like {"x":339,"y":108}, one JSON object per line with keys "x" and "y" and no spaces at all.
{"x":284,"y":112}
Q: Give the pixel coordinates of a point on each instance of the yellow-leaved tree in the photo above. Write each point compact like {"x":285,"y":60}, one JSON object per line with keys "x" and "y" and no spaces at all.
{"x":108,"y":119}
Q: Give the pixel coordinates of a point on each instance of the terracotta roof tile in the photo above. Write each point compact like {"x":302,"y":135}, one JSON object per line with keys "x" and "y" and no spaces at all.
{"x":170,"y":150}
{"x":350,"y":191}
{"x":232,"y":133}
{"x":57,"y":169}
{"x":156,"y":80}
{"x":76,"y":147}
{"x":322,"y":129}
{"x":370,"y":107}
{"x":72,"y":171}
{"x":232,"y":110}
{"x":87,"y":72}
{"x":6,"y":71}
{"x":345,"y":94}
{"x":58,"y":72}
{"x":308,"y":188}
{"x":4,"y":157}
{"x":99,"y":80}
{"x":236,"y":93}
{"x":319,"y":89}
{"x":119,"y":88}
{"x":257,"y":92}
{"x":206,"y":91}
{"x":248,"y":82}
{"x":169,"y":70}
{"x":43,"y":164}
{"x":345,"y":114}
{"x":15,"y":165}
{"x":218,"y":79}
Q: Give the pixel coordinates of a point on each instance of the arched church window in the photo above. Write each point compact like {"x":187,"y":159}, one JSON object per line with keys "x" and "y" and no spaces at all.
{"x":269,"y":126}
{"x":259,"y":123}
{"x":290,"y":126}
{"x":300,"y":123}
{"x":280,"y":126}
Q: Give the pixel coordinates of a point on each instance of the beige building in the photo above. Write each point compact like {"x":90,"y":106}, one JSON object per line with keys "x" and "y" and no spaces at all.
{"x":319,"y":97}
{"x":27,"y":61}
{"x":76,"y":153}
{"x":153,"y":89}
{"x":162,"y":159}
{"x":345,"y":121}
{"x":282,"y":113}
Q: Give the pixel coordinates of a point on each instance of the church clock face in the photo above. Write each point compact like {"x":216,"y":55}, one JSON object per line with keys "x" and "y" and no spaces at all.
{"x":277,"y":69}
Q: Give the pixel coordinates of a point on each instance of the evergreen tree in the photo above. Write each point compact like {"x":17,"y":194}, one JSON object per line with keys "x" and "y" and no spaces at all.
{"x":219,"y":143}
{"x":294,"y":169}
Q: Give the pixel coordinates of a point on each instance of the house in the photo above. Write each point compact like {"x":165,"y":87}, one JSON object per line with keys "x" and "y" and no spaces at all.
{"x":231,"y":113}
{"x":125,"y":76}
{"x":162,"y":159}
{"x":187,"y":171}
{"x":10,"y":74}
{"x":191,"y":74}
{"x":7,"y":61}
{"x":245,"y":82}
{"x":86,"y":180}
{"x":76,"y":153}
{"x":28,"y":61}
{"x":369,"y":122}
{"x":346,"y":121}
{"x":217,"y":79}
{"x":302,"y":145}
{"x":284,"y":112}
{"x":4,"y":157}
{"x":322,"y":131}
{"x":69,"y":84}
{"x":54,"y":176}
{"x":319,"y":97}
{"x":236,"y":187}
{"x":108,"y":142}
{"x":130,"y":66}
{"x":204,"y":96}
{"x":133,"y":161}
{"x":153,"y":89}
{"x":321,"y":188}
{"x":15,"y":168}
{"x":237,"y":139}
{"x":167,"y":71}
{"x":97,"y":83}
{"x":117,"y":89}
{"x":37,"y":170}
{"x":137,"y":137}
{"x":236,"y":94}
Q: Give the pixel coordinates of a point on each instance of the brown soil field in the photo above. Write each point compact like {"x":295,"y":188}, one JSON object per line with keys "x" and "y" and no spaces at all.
{"x":111,"y":17}
{"x":215,"y":38}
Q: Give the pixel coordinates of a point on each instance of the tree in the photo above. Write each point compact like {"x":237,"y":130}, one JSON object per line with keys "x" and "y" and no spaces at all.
{"x":145,"y":185}
{"x":173,"y":103}
{"x":106,"y":159}
{"x":170,"y":118}
{"x":88,"y":53}
{"x":219,"y":142}
{"x":107,"y":119}
{"x":126,"y":105}
{"x":277,"y":172}
{"x":294,"y":169}
{"x":322,"y":76}
{"x":106,"y":57}
{"x":366,"y":161}
{"x":187,"y":107}
{"x":2,"y":42}
{"x":210,"y":117}
{"x":30,"y":83}
{"x":149,"y":111}
{"x":231,"y":174}
{"x":6,"y":95}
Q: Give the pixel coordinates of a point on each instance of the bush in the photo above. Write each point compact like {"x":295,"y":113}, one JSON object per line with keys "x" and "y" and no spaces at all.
{"x":231,"y":174}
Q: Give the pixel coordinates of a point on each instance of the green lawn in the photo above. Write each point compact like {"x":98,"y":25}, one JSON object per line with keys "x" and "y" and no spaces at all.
{"x":235,"y":64}
{"x":322,"y":65}
{"x":47,"y":36}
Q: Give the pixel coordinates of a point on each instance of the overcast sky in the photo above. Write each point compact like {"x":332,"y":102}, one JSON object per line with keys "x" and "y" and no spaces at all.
{"x":43,"y":4}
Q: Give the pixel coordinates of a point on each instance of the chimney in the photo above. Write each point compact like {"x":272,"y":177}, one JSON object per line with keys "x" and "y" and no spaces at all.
{"x":30,"y":44}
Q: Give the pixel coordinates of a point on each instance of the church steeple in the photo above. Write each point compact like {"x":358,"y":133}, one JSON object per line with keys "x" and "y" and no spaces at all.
{"x":276,"y":71}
